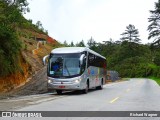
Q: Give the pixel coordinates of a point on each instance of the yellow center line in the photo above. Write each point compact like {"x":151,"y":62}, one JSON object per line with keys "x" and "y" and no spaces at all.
{"x":112,"y":101}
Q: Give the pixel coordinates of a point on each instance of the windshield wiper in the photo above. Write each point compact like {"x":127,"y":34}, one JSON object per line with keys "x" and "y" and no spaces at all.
{"x":67,"y":70}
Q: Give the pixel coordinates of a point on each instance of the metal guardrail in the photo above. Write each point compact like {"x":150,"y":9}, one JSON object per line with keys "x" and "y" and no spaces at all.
{"x":112,"y":76}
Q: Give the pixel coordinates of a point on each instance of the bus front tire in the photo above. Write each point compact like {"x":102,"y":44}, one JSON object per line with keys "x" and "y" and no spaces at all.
{"x":85,"y":91}
{"x":50,"y":90}
{"x":59,"y":92}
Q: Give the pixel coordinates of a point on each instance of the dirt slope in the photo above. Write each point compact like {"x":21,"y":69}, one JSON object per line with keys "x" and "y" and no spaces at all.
{"x":37,"y":84}
{"x":32,"y":77}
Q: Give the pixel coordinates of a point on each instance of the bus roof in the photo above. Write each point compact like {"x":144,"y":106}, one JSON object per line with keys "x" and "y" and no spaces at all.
{"x":64,"y":50}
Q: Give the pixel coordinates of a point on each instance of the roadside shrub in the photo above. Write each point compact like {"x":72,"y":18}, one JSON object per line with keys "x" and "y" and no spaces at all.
{"x":134,"y":67}
{"x":9,"y":50}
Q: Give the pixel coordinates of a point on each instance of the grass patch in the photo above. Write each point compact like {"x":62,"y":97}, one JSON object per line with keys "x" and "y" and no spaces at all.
{"x":155,"y":79}
{"x":125,"y":79}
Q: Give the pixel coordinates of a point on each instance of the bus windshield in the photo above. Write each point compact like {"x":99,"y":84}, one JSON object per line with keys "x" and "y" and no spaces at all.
{"x":64,"y":65}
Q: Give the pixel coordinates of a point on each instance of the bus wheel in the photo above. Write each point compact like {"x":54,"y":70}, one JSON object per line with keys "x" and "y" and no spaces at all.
{"x":59,"y":92}
{"x":85,"y":91}
{"x":50,"y":90}
{"x":101,"y":86}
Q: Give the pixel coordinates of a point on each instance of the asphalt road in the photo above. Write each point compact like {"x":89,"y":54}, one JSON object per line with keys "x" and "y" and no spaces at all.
{"x":133,"y":95}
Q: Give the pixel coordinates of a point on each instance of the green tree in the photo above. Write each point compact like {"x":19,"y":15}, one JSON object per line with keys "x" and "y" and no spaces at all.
{"x":131,"y":34}
{"x":92,"y":44}
{"x":72,"y":44}
{"x":9,"y":51}
{"x":156,"y":59}
{"x":154,"y":32}
{"x":65,"y":43}
{"x":80,"y":44}
{"x":154,"y":27}
{"x":130,"y":42}
{"x":10,"y":15}
{"x":39,"y":24}
{"x":10,"y":18}
{"x":22,"y":5}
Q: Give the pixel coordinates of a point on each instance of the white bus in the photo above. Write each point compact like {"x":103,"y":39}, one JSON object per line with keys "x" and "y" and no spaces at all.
{"x":75,"y":68}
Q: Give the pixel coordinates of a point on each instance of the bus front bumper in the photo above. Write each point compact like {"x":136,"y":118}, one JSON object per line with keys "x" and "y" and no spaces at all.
{"x":75,"y":86}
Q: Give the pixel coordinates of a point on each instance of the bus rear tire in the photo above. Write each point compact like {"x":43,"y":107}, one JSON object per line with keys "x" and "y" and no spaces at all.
{"x":59,"y":92}
{"x":101,"y":86}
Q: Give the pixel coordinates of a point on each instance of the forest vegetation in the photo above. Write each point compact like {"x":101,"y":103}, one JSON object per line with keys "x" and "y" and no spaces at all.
{"x":22,"y":45}
{"x":13,"y":28}
{"x":128,"y":55}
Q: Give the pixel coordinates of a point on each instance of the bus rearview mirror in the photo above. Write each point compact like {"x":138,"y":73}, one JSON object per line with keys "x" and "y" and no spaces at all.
{"x":81,"y":58}
{"x":45,"y":59}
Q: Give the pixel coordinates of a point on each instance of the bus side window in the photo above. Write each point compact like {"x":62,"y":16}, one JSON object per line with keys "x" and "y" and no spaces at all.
{"x":92,"y":60}
{"x":83,"y":65}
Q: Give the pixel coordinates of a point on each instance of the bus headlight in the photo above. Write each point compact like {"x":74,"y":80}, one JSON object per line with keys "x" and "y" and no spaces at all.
{"x":49,"y":81}
{"x":77,"y":81}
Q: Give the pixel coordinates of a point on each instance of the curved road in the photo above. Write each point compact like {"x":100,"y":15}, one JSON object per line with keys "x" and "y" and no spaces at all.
{"x":133,"y":95}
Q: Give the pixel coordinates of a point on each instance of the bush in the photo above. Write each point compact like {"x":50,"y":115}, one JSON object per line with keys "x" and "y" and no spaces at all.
{"x":134,"y":67}
{"x":9,"y":50}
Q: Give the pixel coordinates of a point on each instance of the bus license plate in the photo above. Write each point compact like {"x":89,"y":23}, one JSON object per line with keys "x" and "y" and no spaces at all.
{"x":61,"y":86}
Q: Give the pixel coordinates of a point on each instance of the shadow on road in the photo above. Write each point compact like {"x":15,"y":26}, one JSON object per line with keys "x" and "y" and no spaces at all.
{"x":72,"y":92}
